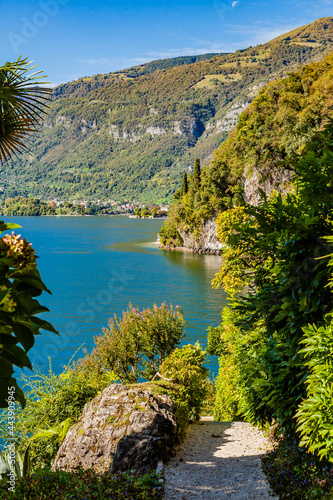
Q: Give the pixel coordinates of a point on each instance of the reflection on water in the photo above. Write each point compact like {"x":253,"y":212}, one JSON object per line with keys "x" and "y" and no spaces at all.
{"x":197,"y":262}
{"x":95,"y":266}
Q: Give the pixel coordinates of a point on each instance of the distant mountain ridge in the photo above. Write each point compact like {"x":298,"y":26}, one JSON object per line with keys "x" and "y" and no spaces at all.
{"x":131,"y":134}
{"x":159,"y":64}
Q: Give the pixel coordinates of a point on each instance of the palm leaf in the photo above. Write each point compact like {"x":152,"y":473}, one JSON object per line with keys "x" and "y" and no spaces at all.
{"x":58,"y":431}
{"x":22,"y":105}
{"x":26,"y":462}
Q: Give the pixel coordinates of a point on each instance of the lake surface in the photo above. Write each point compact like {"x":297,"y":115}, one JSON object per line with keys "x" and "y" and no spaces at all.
{"x":95,"y":266}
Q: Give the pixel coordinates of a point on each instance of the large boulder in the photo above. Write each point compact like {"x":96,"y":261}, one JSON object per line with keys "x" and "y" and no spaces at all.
{"x":124,"y":428}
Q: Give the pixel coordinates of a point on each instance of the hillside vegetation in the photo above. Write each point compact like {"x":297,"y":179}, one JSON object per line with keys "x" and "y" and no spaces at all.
{"x":275,"y":340}
{"x":133,"y":133}
{"x":270,"y":132}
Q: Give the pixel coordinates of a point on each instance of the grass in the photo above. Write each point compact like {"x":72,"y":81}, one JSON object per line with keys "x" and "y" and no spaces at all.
{"x":243,"y":64}
{"x":297,"y":475}
{"x":263,"y":55}
{"x":307,"y":44}
{"x":208,"y":83}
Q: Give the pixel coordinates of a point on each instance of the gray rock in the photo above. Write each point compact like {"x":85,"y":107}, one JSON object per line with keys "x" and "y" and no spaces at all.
{"x":124,"y":428}
{"x":206,"y":242}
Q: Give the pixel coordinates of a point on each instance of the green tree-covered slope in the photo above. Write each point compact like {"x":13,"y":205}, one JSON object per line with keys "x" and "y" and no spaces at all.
{"x":132,"y":134}
{"x":259,"y":153}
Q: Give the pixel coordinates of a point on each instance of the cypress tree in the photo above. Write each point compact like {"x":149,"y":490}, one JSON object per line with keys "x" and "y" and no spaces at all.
{"x":184,"y":188}
{"x":195,"y":182}
{"x":197,"y":174}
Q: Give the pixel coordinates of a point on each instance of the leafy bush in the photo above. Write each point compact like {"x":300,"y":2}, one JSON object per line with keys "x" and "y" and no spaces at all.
{"x":280,"y":251}
{"x":44,"y":484}
{"x":315,"y":413}
{"x":237,"y":389}
{"x":185,"y":368}
{"x":294,"y":474}
{"x":20,"y":283}
{"x":134,"y":346}
{"x":51,"y":401}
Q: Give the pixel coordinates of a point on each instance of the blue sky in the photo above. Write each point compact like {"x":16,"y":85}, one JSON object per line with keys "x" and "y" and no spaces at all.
{"x":71,"y":38}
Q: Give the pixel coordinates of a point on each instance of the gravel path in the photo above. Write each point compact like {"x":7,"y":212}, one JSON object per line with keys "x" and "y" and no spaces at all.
{"x":218,"y":460}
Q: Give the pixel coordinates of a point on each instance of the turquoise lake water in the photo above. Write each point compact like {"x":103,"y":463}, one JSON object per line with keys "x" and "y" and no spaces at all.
{"x":95,"y":266}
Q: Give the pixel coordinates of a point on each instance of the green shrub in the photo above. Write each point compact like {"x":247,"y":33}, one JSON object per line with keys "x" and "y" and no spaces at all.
{"x":134,"y":346}
{"x":237,"y":389}
{"x":185,"y":368}
{"x":51,"y":400}
{"x":20,"y":284}
{"x":281,"y":252}
{"x":169,"y":233}
{"x":227,"y":391}
{"x":297,"y":475}
{"x":59,"y":485}
{"x":315,"y":413}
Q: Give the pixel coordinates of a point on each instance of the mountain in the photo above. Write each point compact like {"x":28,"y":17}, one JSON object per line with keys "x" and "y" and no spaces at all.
{"x":131,"y":134}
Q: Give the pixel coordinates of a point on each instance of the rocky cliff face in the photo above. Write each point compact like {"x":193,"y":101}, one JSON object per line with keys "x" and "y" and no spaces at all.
{"x":206,"y":242}
{"x":277,"y":179}
{"x":124,"y":428}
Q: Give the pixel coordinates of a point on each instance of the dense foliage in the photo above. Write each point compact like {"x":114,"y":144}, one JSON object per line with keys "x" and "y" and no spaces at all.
{"x":235,"y":350}
{"x":45,"y":484}
{"x":136,"y":345}
{"x":185,"y":367}
{"x":314,"y":414}
{"x":20,"y":284}
{"x":51,"y":401}
{"x":20,"y":206}
{"x":22,"y":104}
{"x":295,"y":474}
{"x":133,"y":133}
{"x":279,"y":251}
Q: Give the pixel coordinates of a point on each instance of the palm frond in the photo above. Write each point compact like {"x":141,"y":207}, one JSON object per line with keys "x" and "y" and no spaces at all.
{"x":22,"y":105}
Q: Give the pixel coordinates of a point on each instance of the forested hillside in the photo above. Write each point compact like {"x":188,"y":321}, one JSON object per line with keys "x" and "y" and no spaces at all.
{"x":260,"y":151}
{"x":132,"y":134}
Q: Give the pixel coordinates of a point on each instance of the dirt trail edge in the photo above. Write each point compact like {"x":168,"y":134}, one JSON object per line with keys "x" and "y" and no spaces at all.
{"x":218,"y":460}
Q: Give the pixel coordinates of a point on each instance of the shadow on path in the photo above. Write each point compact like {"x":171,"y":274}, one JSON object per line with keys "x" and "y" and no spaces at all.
{"x":218,"y":460}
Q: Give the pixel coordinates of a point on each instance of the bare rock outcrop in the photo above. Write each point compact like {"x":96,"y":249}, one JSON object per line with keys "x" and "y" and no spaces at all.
{"x":206,"y":242}
{"x":124,"y":428}
{"x":276,"y":179}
